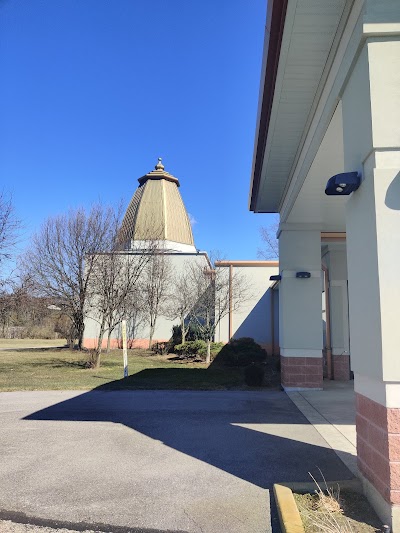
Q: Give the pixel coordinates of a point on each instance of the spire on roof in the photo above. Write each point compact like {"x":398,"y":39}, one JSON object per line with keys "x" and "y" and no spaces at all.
{"x":159,"y":165}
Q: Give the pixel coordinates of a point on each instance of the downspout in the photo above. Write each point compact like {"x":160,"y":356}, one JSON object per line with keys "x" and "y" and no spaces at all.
{"x":230,"y":301}
{"x":328,"y":323}
{"x":273,"y":321}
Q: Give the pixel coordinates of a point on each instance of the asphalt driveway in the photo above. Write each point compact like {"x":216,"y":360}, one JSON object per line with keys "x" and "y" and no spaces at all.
{"x":195,"y":462}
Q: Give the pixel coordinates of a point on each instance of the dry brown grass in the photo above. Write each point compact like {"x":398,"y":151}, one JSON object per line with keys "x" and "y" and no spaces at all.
{"x":327,"y":510}
{"x":16,"y":344}
{"x":329,"y":506}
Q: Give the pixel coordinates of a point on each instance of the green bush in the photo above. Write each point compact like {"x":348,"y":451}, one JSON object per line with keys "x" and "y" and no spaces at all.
{"x":254,"y":375}
{"x":241,"y":352}
{"x":216,"y":347}
{"x":190,"y":348}
{"x":198,"y":348}
{"x":193,"y":334}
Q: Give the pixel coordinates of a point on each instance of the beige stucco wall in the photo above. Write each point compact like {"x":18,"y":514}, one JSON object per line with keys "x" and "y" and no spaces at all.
{"x":300,"y":320}
{"x":336,"y":262}
{"x":164,"y":326}
{"x":373,"y":214}
{"x":254,"y":317}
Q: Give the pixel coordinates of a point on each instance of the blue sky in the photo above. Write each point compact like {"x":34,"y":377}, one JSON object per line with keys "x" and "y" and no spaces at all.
{"x":93,"y":91}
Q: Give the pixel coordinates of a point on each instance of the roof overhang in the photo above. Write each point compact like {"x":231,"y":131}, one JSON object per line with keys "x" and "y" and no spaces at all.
{"x":227,"y":263}
{"x":301,"y":39}
{"x":276,"y":13}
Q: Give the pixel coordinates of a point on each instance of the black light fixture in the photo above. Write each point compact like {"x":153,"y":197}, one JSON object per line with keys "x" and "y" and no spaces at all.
{"x":303,"y":275}
{"x":343,"y":184}
{"x":275,"y":278}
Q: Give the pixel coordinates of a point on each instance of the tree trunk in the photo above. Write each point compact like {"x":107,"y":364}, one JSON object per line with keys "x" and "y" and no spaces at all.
{"x":183,"y":331}
{"x":99,"y":346}
{"x":108,"y":341}
{"x":208,"y":358}
{"x":152,"y":328}
{"x":79,"y":324}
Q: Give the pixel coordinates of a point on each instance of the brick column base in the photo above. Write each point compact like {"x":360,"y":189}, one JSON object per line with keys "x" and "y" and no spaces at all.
{"x":301,"y":372}
{"x":341,"y":367}
{"x":378,"y":446}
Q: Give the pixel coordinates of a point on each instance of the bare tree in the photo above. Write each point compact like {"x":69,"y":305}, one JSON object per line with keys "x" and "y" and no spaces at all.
{"x":270,"y":249}
{"x":6,"y":308}
{"x":155,"y":287}
{"x":113,"y":292}
{"x":218,"y":291}
{"x":137,"y":317}
{"x":10,"y":227}
{"x":62,"y":257}
{"x":181,"y":300}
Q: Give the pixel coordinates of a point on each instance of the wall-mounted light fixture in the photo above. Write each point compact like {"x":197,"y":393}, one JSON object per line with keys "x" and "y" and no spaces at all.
{"x":343,"y":184}
{"x":303,"y":275}
{"x":275,"y":278}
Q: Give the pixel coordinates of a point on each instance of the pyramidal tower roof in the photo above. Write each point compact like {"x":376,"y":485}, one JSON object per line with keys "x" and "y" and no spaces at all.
{"x":157,"y":212}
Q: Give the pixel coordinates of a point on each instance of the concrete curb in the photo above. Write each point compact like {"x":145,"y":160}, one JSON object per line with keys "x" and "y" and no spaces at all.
{"x":309,"y":486}
{"x":289,"y":515}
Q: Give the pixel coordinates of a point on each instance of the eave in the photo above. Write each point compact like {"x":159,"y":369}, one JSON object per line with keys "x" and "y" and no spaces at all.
{"x":276,"y":14}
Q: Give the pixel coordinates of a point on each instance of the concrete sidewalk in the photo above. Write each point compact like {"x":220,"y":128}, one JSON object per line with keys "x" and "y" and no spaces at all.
{"x":194,"y":462}
{"x":333,"y":414}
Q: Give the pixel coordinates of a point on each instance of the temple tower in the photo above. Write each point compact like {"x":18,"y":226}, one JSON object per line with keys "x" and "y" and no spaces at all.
{"x":157,"y":213}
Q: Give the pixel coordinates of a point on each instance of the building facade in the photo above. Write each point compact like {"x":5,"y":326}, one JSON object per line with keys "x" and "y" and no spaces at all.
{"x":329,"y":108}
{"x":156,"y":222}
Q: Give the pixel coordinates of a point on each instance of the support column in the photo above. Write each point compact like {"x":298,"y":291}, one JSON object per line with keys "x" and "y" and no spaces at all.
{"x":339,"y":316}
{"x":300,"y":309}
{"x":371,"y":103}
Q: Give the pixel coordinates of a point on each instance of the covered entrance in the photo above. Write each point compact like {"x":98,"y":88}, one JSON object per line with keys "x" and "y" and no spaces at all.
{"x":330,"y":106}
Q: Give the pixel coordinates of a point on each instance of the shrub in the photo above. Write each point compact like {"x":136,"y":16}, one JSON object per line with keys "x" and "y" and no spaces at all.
{"x":193,"y":334}
{"x":161,"y":348}
{"x":254,"y":375}
{"x":197,"y":348}
{"x":216,"y":347}
{"x":41,"y":332}
{"x":241,"y":352}
{"x":190,"y":348}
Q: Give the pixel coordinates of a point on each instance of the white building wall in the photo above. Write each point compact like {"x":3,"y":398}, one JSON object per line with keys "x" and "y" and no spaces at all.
{"x":300,"y":320}
{"x":256,"y":317}
{"x":163,"y":330}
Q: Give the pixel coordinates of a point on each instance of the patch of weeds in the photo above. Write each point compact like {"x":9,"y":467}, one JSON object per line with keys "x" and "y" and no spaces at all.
{"x":331,"y":510}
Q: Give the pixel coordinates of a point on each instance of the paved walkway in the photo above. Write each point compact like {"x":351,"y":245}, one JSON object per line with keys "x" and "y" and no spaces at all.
{"x":195,"y":462}
{"x":333,"y":414}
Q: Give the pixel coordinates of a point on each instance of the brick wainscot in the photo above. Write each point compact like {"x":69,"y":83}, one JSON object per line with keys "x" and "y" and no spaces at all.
{"x":378,"y":446}
{"x":301,"y":372}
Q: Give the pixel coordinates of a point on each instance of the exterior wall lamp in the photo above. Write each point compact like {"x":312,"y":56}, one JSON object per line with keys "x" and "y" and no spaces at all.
{"x":303,"y":275}
{"x":343,"y":184}
{"x":278,"y":277}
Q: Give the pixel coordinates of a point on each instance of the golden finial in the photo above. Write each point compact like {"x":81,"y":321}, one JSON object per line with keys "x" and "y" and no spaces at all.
{"x":159,"y":165}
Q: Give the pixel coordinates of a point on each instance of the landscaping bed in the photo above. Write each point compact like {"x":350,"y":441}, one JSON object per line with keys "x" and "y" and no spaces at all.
{"x":352,"y":514}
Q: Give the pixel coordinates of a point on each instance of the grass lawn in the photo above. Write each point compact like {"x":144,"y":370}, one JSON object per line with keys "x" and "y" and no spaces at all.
{"x":31,"y":343}
{"x":45,"y":367}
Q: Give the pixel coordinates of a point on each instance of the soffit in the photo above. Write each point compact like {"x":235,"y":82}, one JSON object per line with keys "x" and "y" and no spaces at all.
{"x":312,"y":205}
{"x":308,"y":36}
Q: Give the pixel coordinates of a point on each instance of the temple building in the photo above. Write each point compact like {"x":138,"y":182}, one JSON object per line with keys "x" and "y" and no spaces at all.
{"x":156,"y":222}
{"x":157,"y":212}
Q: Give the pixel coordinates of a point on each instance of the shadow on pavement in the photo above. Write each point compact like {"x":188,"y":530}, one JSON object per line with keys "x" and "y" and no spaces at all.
{"x":259,"y":437}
